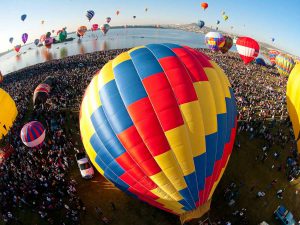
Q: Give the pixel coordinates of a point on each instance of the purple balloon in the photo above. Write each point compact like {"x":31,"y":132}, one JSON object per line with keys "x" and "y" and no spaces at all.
{"x":24,"y":37}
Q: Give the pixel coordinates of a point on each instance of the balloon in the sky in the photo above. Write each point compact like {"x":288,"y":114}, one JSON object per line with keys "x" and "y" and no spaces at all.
{"x":293,"y":102}
{"x":260,"y":61}
{"x":134,"y":17}
{"x":160,"y":124}
{"x":90,"y":14}
{"x":17,"y":48}
{"x":218,"y":22}
{"x":36,"y":41}
{"x":228,"y":44}
{"x":284,"y":64}
{"x":117,"y":12}
{"x":204,"y":5}
{"x":231,"y":27}
{"x":225,"y":17}
{"x":43,"y":21}
{"x":273,"y":39}
{"x":201,"y":23}
{"x":23,"y":17}
{"x":108,"y":19}
{"x":53,"y":31}
{"x":24,"y":37}
{"x":146,"y":9}
{"x":33,"y":134}
{"x":247,"y":48}
{"x":11,"y":40}
{"x":95,"y":27}
{"x":104,"y":28}
{"x":272,"y":56}
{"x":62,"y":35}
{"x":43,"y":38}
{"x":48,"y":42}
{"x":214,"y":40}
{"x":48,"y":34}
{"x":81,"y":31}
{"x":223,"y":13}
{"x":8,"y":112}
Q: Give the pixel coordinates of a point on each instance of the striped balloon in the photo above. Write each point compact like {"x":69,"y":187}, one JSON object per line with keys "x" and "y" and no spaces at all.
{"x":284,"y":64}
{"x":41,"y":93}
{"x":214,"y":41}
{"x":90,"y":14}
{"x":33,"y":134}
{"x":159,"y":122}
{"x":248,"y":49}
{"x":272,"y":56}
{"x":293,"y":100}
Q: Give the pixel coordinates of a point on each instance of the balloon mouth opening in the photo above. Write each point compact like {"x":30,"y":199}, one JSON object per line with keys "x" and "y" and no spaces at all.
{"x":197,"y":213}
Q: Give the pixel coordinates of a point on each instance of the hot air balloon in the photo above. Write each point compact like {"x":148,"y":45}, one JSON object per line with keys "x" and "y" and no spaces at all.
{"x":293,"y":100}
{"x":272,"y":56}
{"x":23,"y":17}
{"x":33,"y":134}
{"x":223,"y":13}
{"x":248,"y":49}
{"x":62,"y":35}
{"x":108,"y":19}
{"x":228,"y":44}
{"x":90,"y":14}
{"x":157,"y":132}
{"x":201,"y":24}
{"x":204,"y":5}
{"x":53,"y":31}
{"x":17,"y":48}
{"x":218,"y":22}
{"x":225,"y":17}
{"x":11,"y":40}
{"x":36,"y":42}
{"x":81,"y":31}
{"x":104,"y":28}
{"x":284,"y":64}
{"x":43,"y":38}
{"x":214,"y":40}
{"x":117,"y":12}
{"x":1,"y":77}
{"x":273,"y":39}
{"x":260,"y":61}
{"x":24,"y":37}
{"x":146,"y":9}
{"x":43,"y":21}
{"x":8,"y":113}
{"x":41,"y":93}
{"x":48,"y":42}
{"x":48,"y":34}
{"x":134,"y":17}
{"x":95,"y":27}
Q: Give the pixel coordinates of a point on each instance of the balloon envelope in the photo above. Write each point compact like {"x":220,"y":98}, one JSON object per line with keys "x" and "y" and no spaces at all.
{"x":214,"y":40}
{"x":24,"y":37}
{"x":284,"y":64}
{"x":81,"y":30}
{"x":104,"y":28}
{"x":8,"y":112}
{"x":108,"y":19}
{"x":228,"y":44}
{"x":95,"y":27}
{"x":36,"y":41}
{"x":204,"y":5}
{"x":272,"y":56}
{"x":11,"y":40}
{"x":150,"y":123}
{"x":247,"y":48}
{"x":260,"y":61}
{"x":293,"y":102}
{"x":201,"y":24}
{"x":17,"y":48}
{"x":33,"y":134}
{"x":23,"y":17}
{"x":90,"y":14}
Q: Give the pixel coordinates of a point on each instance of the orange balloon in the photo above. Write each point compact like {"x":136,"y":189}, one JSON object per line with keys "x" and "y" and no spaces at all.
{"x":204,"y":5}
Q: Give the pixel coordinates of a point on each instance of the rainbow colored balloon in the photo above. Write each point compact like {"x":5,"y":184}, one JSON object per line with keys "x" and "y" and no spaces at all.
{"x":159,"y":121}
{"x":284,"y":64}
{"x":214,"y":41}
{"x":293,"y":101}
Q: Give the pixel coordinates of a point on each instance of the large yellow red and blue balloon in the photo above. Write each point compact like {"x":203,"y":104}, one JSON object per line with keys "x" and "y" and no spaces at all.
{"x":293,"y":102}
{"x":284,"y":64}
{"x":8,"y":113}
{"x":159,"y":122}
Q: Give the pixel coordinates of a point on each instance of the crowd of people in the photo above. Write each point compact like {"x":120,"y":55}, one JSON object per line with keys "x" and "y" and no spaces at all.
{"x":38,"y":178}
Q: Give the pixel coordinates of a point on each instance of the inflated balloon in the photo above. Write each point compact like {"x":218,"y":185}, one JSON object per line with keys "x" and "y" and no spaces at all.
{"x":247,"y":48}
{"x":23,"y":17}
{"x":53,"y":31}
{"x":33,"y":134}
{"x":48,"y":34}
{"x":48,"y":42}
{"x":134,"y":17}
{"x":41,"y":93}
{"x":204,"y":5}
{"x":95,"y":27}
{"x":214,"y":40}
{"x":225,"y":17}
{"x":272,"y":56}
{"x":228,"y":44}
{"x":201,"y":24}
{"x":273,"y":39}
{"x":17,"y":48}
{"x":117,"y":12}
{"x":260,"y":61}
{"x":81,"y":31}
{"x":284,"y":64}
{"x":218,"y":22}
{"x":42,"y":22}
{"x":62,"y":35}
{"x":8,"y":112}
{"x":108,"y":19}
{"x":293,"y":102}
{"x":159,"y":122}
{"x":104,"y":28}
{"x":36,"y":42}
{"x":146,"y":9}
{"x":90,"y":14}
{"x":223,"y":13}
{"x":11,"y":40}
{"x":24,"y":37}
{"x":43,"y":38}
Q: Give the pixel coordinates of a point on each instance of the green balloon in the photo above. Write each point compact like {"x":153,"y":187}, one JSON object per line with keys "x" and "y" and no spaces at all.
{"x":62,"y":36}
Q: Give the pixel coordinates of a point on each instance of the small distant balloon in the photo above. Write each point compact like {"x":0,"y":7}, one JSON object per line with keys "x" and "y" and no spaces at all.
{"x":24,"y":37}
{"x":36,"y":42}
{"x":273,"y":40}
{"x":223,"y":12}
{"x":104,"y":28}
{"x":218,"y":21}
{"x":146,"y":9}
{"x":23,"y":17}
{"x":201,"y":23}
{"x":225,"y":17}
{"x":117,"y":12}
{"x":17,"y":48}
{"x":108,"y":19}
{"x":134,"y":17}
{"x":90,"y":14}
{"x":11,"y":40}
{"x":204,"y":5}
{"x":42,"y":22}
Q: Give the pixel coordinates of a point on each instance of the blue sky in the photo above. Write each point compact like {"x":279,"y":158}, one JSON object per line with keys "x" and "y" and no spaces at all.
{"x":263,"y":19}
